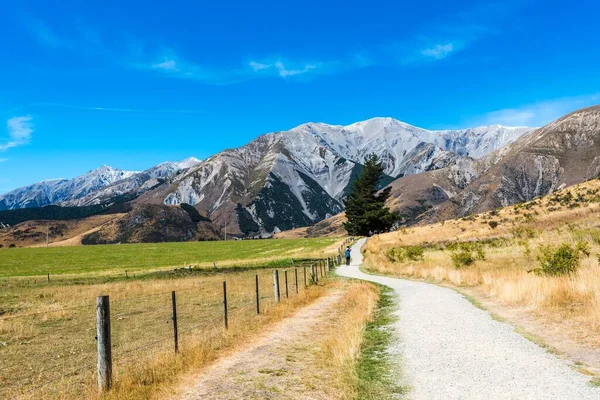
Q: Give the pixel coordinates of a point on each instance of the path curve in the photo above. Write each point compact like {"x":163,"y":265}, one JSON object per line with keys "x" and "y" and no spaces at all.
{"x":451,"y":349}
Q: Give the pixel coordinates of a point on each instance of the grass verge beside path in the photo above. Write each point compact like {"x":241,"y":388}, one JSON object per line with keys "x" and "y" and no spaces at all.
{"x":376,"y":372}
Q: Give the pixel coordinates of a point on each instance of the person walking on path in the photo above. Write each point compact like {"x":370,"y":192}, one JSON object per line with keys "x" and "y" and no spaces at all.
{"x":347,"y":254}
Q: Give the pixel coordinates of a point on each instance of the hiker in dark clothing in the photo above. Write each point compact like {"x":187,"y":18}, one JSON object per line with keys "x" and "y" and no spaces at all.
{"x":347,"y":255}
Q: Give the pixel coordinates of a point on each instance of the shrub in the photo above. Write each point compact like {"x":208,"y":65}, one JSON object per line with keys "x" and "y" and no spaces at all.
{"x":493,"y":224}
{"x":467,"y":253}
{"x":395,"y":255}
{"x":414,"y":252}
{"x":558,"y":261}
{"x":400,"y":254}
{"x":462,"y":258}
{"x":1,"y":246}
{"x":11,"y":246}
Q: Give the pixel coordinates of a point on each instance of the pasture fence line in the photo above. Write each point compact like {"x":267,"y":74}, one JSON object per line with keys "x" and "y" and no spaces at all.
{"x":319,"y":270}
{"x":128,"y":332}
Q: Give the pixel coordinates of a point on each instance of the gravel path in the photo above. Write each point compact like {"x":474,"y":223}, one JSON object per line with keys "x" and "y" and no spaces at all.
{"x":452,"y":350}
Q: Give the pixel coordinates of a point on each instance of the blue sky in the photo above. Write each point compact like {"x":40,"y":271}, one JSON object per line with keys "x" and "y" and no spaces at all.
{"x":134,"y":83}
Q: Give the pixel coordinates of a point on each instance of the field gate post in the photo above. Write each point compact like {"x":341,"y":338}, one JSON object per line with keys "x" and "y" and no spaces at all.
{"x":287,"y":295}
{"x":104,"y":343}
{"x":225,"y":316}
{"x":257,"y":297}
{"x":174,"y":318}
{"x":276,"y":286}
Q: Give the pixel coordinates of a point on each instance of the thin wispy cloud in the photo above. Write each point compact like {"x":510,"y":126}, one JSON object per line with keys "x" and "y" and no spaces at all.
{"x":280,"y":68}
{"x":120,"y":109}
{"x":19,"y":132}
{"x":536,"y":114}
{"x":45,"y":35}
{"x":3,"y":160}
{"x":435,"y":41}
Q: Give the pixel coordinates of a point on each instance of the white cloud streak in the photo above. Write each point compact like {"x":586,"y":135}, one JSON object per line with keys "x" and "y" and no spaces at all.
{"x":19,"y":132}
{"x":279,"y":68}
{"x":120,"y":109}
{"x":439,"y":51}
{"x":536,"y":114}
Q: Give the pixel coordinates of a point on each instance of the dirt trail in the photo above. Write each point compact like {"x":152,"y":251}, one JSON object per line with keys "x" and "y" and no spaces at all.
{"x":278,"y":365}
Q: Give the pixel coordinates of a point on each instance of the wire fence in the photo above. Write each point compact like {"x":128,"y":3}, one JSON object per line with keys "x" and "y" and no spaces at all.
{"x":55,"y":351}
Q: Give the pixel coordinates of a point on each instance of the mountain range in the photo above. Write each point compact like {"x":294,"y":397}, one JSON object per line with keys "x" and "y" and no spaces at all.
{"x":281,"y":180}
{"x":288,"y":179}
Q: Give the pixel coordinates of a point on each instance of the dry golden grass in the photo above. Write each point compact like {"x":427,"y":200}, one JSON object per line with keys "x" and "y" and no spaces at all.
{"x":571,"y":304}
{"x":52,"y":335}
{"x":343,"y":337}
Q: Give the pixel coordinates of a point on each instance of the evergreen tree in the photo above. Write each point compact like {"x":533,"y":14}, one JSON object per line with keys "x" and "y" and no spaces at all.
{"x":365,"y":208}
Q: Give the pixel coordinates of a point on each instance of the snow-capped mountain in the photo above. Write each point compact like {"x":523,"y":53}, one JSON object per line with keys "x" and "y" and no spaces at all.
{"x":394,"y":141}
{"x":57,"y":190}
{"x":101,"y":183}
{"x":288,"y":179}
{"x":135,"y":184}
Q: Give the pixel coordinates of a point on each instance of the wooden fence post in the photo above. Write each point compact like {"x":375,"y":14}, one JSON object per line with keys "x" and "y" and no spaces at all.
{"x":296,"y":274}
{"x":226,"y":317}
{"x":174,"y":317}
{"x":257,"y":297}
{"x":287,"y":295}
{"x":104,"y":343}
{"x":305,"y":283}
{"x":276,"y":286}
{"x":48,"y":276}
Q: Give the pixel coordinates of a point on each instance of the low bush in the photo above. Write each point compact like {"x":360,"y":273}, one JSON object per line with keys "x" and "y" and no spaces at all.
{"x":493,"y":224}
{"x":558,"y":261}
{"x":465,"y":254}
{"x":462,"y":258}
{"x":400,"y":254}
{"x":414,"y":253}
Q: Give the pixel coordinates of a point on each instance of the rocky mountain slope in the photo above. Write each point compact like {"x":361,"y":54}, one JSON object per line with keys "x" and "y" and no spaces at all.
{"x":562,"y":153}
{"x":153,"y":223}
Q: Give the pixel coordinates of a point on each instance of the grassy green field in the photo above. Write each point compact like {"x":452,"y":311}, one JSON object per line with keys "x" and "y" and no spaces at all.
{"x":105,"y":258}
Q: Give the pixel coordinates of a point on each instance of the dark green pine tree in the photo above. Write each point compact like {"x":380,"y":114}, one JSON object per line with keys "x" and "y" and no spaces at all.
{"x":365,"y":208}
